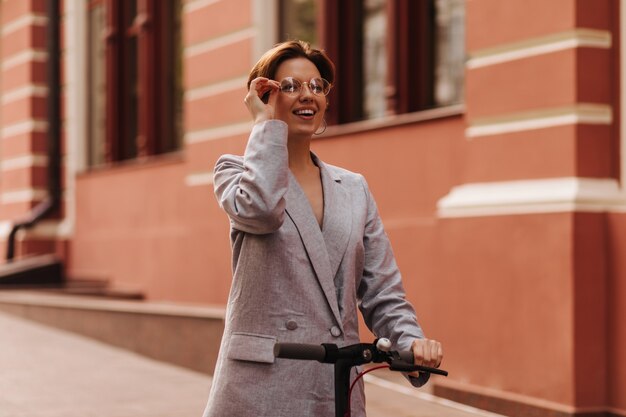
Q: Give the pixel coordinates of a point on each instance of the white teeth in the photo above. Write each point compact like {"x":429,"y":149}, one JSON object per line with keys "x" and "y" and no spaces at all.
{"x":305,"y":112}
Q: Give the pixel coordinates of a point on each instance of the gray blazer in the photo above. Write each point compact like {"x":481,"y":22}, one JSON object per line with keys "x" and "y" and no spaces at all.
{"x":295,"y":282}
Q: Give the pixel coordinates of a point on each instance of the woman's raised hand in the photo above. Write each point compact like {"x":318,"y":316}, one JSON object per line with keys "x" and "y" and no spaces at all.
{"x":259,"y":110}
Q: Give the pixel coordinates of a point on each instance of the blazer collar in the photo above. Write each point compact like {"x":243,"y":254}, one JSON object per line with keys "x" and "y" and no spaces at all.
{"x":337,"y":223}
{"x":327,"y":246}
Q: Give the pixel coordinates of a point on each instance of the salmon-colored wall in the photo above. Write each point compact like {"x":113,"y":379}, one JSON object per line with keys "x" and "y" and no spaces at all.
{"x":505,"y":301}
{"x":142,"y":228}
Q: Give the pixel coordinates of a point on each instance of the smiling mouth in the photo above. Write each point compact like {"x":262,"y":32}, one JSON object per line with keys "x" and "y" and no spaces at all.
{"x":304,"y":113}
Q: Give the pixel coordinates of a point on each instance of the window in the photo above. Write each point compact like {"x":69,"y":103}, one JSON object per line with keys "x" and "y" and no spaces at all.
{"x":135,"y":85}
{"x":297,"y":20}
{"x":392,"y":56}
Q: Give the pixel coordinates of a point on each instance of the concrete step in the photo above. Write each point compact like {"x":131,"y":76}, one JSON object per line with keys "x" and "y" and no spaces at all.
{"x":41,"y":270}
{"x":183,"y":335}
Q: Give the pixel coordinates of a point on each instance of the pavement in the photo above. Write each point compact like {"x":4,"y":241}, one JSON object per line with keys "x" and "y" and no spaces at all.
{"x":47,"y":372}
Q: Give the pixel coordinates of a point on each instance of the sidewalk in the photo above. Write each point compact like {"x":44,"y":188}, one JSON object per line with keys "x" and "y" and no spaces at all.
{"x":46,"y":372}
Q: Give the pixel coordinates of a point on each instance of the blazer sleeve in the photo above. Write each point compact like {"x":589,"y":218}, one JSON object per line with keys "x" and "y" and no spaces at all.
{"x":251,"y":190}
{"x":382,"y":299}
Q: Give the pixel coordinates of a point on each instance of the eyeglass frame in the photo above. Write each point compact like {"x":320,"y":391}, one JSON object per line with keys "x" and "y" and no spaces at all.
{"x":296,"y":81}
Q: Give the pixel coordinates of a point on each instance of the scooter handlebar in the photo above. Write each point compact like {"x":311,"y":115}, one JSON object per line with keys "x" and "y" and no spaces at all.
{"x":300,"y":351}
{"x":406,"y":364}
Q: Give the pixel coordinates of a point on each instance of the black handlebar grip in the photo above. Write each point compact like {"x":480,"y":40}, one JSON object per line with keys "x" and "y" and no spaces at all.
{"x":407,"y":357}
{"x":300,"y":351}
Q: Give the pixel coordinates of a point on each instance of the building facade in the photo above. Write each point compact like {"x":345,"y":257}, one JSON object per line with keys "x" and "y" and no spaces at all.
{"x":489,"y":131}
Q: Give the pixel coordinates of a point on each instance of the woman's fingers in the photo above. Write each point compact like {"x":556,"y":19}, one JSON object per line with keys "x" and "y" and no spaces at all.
{"x":427,"y":352}
{"x":254,"y":99}
{"x":260,"y":86}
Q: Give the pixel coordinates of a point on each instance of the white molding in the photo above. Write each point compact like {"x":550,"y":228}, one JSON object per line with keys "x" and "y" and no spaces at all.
{"x":622,"y":9}
{"x":31,"y":19}
{"x":219,"y":42}
{"x":265,"y":20}
{"x":582,"y":113}
{"x":215,"y":133}
{"x":577,"y":38}
{"x":23,"y":196}
{"x":533,"y":196}
{"x":75,"y":89}
{"x":20,"y":128}
{"x":199,"y":179}
{"x":29,"y":55}
{"x":216,"y":88}
{"x":48,"y":229}
{"x":194,"y":5}
{"x":5,"y":229}
{"x":24,"y":161}
{"x":28,"y":91}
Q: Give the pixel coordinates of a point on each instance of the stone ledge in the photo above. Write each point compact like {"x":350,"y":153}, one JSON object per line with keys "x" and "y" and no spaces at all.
{"x":183,"y":335}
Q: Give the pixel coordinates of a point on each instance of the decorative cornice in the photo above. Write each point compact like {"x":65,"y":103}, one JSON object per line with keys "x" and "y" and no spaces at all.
{"x":533,"y":196}
{"x":584,"y":113}
{"x":577,"y":38}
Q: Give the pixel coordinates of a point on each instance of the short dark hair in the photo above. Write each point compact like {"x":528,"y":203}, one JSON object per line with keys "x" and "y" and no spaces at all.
{"x":271,"y":60}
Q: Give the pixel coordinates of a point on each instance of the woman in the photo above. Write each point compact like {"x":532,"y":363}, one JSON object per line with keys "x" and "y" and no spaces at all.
{"x":308,"y":250}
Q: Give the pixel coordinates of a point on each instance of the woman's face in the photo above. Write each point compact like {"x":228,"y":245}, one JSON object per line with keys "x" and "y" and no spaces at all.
{"x":304,"y":111}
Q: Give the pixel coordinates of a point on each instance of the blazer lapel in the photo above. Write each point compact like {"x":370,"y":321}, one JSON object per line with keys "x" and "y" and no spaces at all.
{"x":337,"y":223}
{"x":300,"y":212}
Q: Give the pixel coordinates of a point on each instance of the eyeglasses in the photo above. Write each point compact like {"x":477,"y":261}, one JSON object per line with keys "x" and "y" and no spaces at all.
{"x":293,"y":87}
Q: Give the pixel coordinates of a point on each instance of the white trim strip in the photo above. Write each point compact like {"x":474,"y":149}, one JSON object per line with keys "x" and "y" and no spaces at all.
{"x":412,"y":392}
{"x":76,"y":96}
{"x":578,"y":38}
{"x":622,"y":20}
{"x":23,"y":57}
{"x":25,"y":161}
{"x":49,"y":229}
{"x":533,"y":196}
{"x":192,"y":6}
{"x":30,"y":19}
{"x":217,"y":88}
{"x":5,"y":229}
{"x":23,"y":196}
{"x":579,"y":114}
{"x":217,"y":132}
{"x":199,"y":179}
{"x":45,"y":229}
{"x":265,"y":19}
{"x":219,"y":42}
{"x":24,"y":92}
{"x":28,"y":126}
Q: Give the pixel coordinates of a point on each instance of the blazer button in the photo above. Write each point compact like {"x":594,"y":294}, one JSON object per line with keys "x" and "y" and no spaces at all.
{"x":335,"y":331}
{"x":291,"y":325}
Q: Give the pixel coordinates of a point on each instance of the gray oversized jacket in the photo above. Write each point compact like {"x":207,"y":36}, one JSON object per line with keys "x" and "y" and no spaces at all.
{"x":295,"y":282}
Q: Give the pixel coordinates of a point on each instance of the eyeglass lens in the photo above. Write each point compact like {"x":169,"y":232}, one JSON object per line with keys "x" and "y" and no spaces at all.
{"x":318,"y":86}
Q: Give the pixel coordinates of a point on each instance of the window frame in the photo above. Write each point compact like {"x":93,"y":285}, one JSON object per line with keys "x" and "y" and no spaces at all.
{"x":411,"y":60}
{"x":155,"y":62}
